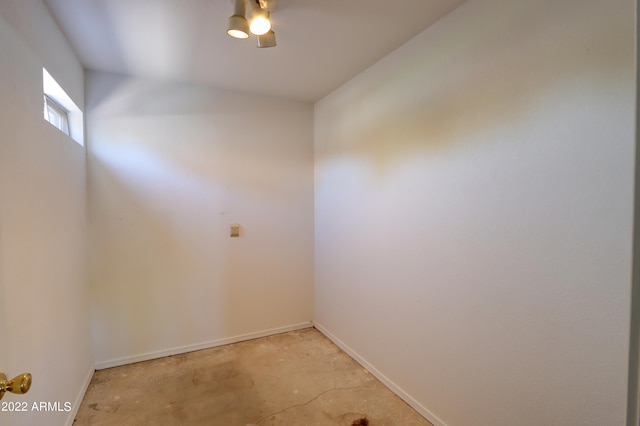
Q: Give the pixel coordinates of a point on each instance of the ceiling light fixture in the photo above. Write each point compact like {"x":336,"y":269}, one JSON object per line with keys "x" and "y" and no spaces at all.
{"x":252,"y":16}
{"x":238,"y":25}
{"x":267,"y":40}
{"x":259,"y":22}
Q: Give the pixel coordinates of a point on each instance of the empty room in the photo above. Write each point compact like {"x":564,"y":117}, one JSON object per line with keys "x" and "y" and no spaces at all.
{"x":412,"y":212}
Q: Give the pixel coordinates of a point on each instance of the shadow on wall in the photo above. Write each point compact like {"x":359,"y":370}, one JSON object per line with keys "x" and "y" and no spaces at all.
{"x":142,"y":249}
{"x":170,"y":166}
{"x":212,"y":135}
{"x":460,"y":92}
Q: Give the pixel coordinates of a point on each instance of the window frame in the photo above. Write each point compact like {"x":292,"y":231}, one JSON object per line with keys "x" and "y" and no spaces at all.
{"x":75,"y":117}
{"x":61,"y":120}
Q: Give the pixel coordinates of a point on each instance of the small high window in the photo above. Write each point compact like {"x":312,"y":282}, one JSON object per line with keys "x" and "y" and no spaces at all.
{"x":60,"y":110}
{"x":56,"y":115}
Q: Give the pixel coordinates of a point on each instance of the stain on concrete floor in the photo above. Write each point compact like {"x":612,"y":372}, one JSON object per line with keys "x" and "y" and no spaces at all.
{"x":292,"y":379}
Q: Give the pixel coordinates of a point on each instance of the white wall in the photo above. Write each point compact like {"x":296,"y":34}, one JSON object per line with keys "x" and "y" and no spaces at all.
{"x":171,"y":166}
{"x":473,"y":213}
{"x":45,"y":302}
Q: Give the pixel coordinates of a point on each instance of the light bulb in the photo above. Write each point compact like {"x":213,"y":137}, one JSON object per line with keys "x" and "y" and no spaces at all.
{"x":237,"y":34}
{"x":260,"y":25}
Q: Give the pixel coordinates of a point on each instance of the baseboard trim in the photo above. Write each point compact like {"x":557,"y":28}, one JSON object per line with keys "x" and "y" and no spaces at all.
{"x":199,"y":346}
{"x":76,"y":404}
{"x":421,"y":409}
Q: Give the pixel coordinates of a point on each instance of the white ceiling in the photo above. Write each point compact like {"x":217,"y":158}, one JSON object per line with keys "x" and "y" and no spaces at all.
{"x":321,"y":43}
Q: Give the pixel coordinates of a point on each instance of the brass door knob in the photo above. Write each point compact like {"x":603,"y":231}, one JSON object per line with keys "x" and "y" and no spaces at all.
{"x":19,"y":384}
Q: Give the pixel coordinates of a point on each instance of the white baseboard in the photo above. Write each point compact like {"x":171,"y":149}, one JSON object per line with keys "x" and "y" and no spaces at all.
{"x":198,"y":346}
{"x":421,"y":409}
{"x":76,"y":404}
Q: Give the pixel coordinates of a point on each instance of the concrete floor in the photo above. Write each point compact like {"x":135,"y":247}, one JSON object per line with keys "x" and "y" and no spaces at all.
{"x":294,"y":379}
